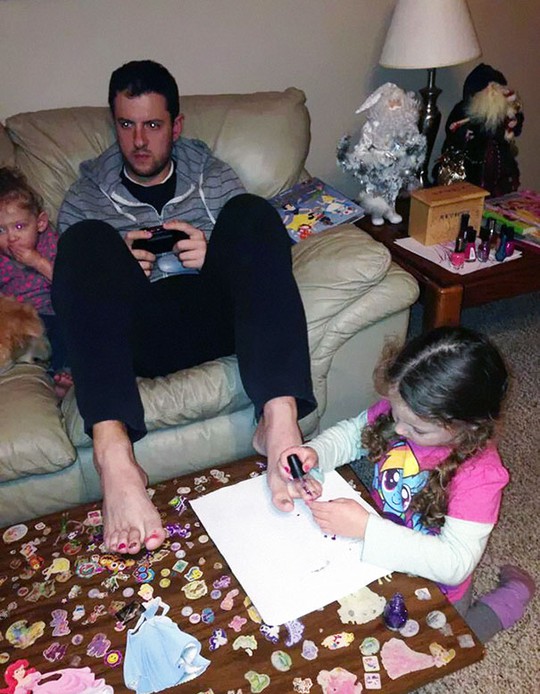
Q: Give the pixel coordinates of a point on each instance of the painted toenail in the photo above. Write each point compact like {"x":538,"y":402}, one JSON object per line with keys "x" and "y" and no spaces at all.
{"x":121,"y":546}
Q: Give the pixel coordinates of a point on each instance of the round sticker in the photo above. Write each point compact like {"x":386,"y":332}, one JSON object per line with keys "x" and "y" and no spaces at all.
{"x":14,"y":533}
{"x":410,"y":628}
{"x":436,"y":619}
{"x":113,"y":658}
{"x":369,"y":646}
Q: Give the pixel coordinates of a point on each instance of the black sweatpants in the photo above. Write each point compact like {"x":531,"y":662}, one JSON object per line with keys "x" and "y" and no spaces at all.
{"x":119,"y":325}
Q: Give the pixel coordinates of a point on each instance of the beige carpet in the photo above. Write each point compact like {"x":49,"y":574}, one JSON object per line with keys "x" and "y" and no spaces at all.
{"x":512,"y":663}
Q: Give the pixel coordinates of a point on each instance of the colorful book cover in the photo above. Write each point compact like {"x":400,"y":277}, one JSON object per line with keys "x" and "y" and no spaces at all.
{"x":312,"y":206}
{"x":520,"y":209}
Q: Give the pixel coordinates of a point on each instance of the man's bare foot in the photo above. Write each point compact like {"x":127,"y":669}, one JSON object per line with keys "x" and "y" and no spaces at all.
{"x":277,"y":430}
{"x":63,"y":380}
{"x":130,"y":519}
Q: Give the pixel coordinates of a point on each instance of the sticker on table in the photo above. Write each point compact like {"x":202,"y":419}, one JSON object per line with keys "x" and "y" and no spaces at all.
{"x":340,"y":640}
{"x":218,"y":639}
{"x":14,"y":533}
{"x":436,"y":619}
{"x":361,"y":606}
{"x":302,"y":686}
{"x":20,"y":635}
{"x":369,"y":646}
{"x":246,"y":642}
{"x":423,"y":594}
{"x":466,"y":641}
{"x":372,"y":680}
{"x":398,"y":659}
{"x":370,"y":663}
{"x":281,"y":660}
{"x":338,"y":680}
{"x":441,"y":655}
{"x":410,"y":628}
{"x":257,"y":680}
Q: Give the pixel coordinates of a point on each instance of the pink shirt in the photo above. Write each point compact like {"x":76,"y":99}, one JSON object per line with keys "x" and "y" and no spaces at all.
{"x":474,"y":494}
{"x":26,"y":284}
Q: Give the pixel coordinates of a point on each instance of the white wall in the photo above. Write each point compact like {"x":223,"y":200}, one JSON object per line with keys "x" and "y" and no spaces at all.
{"x":61,"y":53}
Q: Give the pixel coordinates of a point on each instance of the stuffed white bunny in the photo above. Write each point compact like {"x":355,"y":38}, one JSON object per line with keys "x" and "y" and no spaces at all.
{"x":389,"y":153}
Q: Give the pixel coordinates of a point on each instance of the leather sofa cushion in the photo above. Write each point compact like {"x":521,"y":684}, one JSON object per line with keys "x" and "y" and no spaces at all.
{"x":333,"y":269}
{"x":32,"y":438}
{"x":264,"y":136}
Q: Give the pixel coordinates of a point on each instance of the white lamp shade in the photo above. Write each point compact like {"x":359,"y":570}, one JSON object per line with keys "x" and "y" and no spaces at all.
{"x":430,"y":34}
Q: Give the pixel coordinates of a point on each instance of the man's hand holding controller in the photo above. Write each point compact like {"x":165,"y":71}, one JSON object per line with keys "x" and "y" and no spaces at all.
{"x":188,"y":242}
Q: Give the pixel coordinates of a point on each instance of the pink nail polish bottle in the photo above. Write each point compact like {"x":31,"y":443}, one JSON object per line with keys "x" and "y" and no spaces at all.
{"x":510,"y":245}
{"x":457,"y":258}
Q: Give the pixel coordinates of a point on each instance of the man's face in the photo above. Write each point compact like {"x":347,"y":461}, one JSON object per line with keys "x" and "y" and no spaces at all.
{"x":145,"y":135}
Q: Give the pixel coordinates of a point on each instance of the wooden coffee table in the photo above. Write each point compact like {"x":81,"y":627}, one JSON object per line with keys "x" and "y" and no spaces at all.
{"x":443,"y":293}
{"x":99,"y":584}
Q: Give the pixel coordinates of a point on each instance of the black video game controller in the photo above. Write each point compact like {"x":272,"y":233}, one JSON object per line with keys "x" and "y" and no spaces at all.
{"x":162,"y":240}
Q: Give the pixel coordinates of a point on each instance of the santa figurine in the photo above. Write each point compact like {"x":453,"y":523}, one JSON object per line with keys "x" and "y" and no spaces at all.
{"x":480,"y":135}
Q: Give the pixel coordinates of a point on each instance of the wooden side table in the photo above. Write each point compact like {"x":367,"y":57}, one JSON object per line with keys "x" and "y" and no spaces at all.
{"x":444,"y":294}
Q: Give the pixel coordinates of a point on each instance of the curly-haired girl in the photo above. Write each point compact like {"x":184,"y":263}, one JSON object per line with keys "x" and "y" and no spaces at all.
{"x":438,"y":477}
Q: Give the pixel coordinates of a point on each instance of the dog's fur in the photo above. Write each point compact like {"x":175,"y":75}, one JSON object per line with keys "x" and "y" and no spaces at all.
{"x":21,"y":334}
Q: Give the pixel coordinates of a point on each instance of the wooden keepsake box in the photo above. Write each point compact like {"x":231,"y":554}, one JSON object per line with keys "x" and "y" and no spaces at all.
{"x":435,"y":214}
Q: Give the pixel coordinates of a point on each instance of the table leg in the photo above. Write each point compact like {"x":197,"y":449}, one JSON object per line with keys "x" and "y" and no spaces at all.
{"x":442,"y":306}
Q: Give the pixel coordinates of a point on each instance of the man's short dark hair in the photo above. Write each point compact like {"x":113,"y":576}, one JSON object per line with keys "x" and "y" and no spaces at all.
{"x":143,"y":77}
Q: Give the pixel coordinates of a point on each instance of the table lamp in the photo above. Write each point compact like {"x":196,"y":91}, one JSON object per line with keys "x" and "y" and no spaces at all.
{"x":429,"y":34}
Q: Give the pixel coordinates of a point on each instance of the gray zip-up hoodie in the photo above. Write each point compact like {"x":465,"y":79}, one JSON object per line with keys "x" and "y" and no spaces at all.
{"x":203,"y":186}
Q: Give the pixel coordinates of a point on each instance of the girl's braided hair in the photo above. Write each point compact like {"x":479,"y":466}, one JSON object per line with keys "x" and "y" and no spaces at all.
{"x":451,"y":376}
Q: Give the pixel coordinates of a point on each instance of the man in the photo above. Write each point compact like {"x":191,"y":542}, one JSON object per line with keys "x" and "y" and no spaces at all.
{"x":228,"y":288}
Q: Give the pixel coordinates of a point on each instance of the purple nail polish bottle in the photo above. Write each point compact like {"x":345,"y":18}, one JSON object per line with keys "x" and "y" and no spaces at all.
{"x":395,"y":612}
{"x":482,"y":252}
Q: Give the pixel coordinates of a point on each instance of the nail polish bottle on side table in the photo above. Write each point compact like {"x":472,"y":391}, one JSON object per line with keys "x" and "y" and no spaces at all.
{"x":482,"y":252}
{"x":457,"y":258}
{"x":470,"y":247}
{"x":500,"y":253}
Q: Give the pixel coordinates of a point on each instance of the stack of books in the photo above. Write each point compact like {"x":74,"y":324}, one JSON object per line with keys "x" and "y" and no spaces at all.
{"x":313,"y":206}
{"x":520,"y":211}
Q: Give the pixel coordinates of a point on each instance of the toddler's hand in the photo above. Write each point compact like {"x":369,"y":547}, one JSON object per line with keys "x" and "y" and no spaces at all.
{"x":340,"y":517}
{"x":26,"y":256}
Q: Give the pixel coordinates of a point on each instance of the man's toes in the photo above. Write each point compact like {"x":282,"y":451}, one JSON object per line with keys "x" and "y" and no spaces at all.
{"x":283,"y":502}
{"x":155,"y":538}
{"x":122,"y":543}
{"x":134,"y":542}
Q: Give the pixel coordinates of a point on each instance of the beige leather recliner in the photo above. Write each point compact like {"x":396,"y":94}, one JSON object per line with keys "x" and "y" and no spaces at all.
{"x":354,"y":297}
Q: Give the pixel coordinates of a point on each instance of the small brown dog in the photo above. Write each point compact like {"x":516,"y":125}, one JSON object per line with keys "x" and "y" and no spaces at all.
{"x":22,"y":335}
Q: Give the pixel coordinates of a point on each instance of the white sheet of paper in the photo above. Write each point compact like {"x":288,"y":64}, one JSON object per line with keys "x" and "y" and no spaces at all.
{"x":284,"y":562}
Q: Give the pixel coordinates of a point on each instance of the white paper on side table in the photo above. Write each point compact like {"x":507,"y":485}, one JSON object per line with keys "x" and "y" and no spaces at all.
{"x":285,"y":563}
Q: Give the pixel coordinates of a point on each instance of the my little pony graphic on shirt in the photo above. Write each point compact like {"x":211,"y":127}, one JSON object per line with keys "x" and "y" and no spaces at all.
{"x":396,"y":480}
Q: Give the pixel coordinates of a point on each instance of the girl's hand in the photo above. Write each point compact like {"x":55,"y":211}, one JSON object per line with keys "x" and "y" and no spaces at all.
{"x":308,"y":457}
{"x":308,"y":489}
{"x":340,"y":517}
